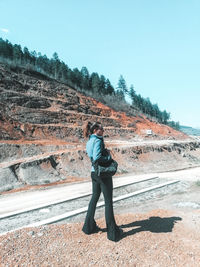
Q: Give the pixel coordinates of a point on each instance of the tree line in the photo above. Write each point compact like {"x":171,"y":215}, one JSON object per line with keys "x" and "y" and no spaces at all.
{"x":82,"y":80}
{"x":144,"y":104}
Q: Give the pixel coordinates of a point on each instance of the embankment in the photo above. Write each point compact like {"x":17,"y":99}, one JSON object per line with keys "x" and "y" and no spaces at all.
{"x":23,"y":165}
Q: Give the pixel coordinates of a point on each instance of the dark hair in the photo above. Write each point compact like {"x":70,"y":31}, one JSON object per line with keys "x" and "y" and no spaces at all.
{"x":90,"y":127}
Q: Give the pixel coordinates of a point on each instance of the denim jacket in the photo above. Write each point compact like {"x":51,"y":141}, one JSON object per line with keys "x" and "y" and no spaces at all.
{"x":94,"y":148}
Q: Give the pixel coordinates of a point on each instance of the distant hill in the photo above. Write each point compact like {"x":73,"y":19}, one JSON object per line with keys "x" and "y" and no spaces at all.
{"x":189,"y":130}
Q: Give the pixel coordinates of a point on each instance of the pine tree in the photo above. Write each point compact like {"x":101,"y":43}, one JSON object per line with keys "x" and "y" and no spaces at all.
{"x":109,"y":88}
{"x":6,"y":49}
{"x":165,"y":117}
{"x":122,"y":85}
{"x":56,"y":65}
{"x":132,"y":94}
{"x":102,"y":85}
{"x":27,"y":56}
{"x":95,"y":82}
{"x":85,"y":81}
{"x":77,"y":77}
{"x":17,"y":54}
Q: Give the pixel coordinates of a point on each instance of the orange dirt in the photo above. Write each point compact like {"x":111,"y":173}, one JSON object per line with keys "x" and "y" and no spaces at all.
{"x":158,"y":238}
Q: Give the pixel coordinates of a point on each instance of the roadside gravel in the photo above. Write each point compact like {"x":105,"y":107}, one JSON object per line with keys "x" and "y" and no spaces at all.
{"x":157,"y":232}
{"x":157,"y":238}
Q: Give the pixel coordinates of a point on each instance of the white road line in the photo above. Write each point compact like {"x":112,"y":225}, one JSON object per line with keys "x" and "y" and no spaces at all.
{"x":35,"y":207}
{"x":84,"y":209}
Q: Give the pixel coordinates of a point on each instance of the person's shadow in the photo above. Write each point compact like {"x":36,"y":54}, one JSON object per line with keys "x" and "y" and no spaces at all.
{"x":153,"y":224}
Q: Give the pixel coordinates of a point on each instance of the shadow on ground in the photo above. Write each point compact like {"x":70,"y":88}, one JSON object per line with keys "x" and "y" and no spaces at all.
{"x":153,"y":224}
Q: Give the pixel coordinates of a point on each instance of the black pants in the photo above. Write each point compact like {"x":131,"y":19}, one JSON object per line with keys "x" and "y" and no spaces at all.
{"x":104,"y":185}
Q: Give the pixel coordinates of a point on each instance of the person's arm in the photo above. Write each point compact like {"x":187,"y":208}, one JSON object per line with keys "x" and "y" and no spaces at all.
{"x":97,"y":153}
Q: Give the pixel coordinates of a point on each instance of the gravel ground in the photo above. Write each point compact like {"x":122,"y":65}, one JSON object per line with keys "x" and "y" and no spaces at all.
{"x":157,"y":238}
{"x":162,"y":231}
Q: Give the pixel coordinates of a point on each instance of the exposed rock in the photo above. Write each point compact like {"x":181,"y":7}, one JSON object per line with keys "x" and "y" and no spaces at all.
{"x":39,"y":172}
{"x":8,"y":179}
{"x":36,"y":164}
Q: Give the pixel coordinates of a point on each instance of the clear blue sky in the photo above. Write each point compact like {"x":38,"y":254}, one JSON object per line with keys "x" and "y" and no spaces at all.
{"x":154,"y":44}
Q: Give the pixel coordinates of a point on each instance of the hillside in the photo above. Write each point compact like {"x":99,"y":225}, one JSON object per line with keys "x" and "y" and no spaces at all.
{"x":41,"y":134}
{"x":35,"y":107}
{"x":190,"y":130}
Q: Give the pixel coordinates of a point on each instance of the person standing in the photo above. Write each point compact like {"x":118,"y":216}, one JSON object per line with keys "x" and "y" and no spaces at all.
{"x":95,"y":149}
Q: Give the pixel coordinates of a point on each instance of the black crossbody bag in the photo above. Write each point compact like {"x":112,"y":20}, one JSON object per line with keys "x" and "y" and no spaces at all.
{"x":107,"y":169}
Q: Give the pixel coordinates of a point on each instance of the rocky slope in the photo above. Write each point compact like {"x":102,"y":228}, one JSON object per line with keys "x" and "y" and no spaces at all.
{"x":35,"y":107}
{"x":41,"y":136}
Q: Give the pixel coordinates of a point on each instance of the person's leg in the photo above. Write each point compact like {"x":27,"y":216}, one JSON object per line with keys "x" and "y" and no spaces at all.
{"x":90,"y":224}
{"x":113,"y":231}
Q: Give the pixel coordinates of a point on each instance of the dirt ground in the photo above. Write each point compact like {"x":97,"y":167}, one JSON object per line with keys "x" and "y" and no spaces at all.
{"x":157,"y":238}
{"x":163,"y":232}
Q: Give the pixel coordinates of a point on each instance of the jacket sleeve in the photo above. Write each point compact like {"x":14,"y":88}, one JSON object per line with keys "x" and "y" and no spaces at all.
{"x":97,"y":152}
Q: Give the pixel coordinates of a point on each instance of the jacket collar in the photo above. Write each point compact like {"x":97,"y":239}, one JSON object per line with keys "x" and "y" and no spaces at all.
{"x":96,"y":136}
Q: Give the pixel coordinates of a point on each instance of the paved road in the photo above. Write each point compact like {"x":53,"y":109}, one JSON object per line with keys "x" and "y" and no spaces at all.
{"x":14,"y":202}
{"x":28,"y":199}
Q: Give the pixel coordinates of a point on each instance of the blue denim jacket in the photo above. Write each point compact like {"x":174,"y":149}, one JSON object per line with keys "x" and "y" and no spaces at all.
{"x":95,"y":147}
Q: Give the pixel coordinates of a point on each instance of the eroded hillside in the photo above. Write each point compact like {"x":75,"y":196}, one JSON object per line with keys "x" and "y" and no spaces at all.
{"x":35,"y":107}
{"x":41,"y":134}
